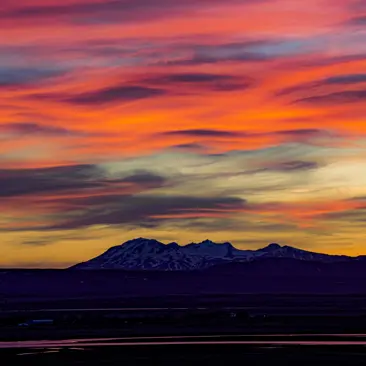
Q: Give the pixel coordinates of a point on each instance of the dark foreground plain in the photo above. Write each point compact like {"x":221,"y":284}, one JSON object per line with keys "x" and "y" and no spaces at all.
{"x":248,"y":307}
{"x":185,"y":315}
{"x":84,"y":304}
{"x":268,"y":276}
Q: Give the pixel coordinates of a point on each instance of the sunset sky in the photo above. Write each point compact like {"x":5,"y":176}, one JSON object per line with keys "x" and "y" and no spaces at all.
{"x":236,"y":120}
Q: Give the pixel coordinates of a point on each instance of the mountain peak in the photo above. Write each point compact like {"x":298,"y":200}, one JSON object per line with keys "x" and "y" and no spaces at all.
{"x":208,"y":242}
{"x":271,"y":247}
{"x":141,"y":242}
{"x":173,"y":245}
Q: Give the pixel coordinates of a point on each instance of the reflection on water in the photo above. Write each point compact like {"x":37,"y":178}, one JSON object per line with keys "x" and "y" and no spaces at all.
{"x":35,"y":353}
{"x":48,"y":346}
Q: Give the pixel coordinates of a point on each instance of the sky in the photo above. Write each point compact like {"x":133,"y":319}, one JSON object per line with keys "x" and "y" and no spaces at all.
{"x":236,"y":120}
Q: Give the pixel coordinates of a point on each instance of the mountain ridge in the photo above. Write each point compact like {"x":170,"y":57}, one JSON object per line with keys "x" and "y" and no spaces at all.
{"x":151,"y":254}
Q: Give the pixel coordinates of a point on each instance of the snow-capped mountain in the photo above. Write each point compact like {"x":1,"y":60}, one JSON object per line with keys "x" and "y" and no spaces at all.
{"x":277,"y":251}
{"x":145,"y":254}
{"x":150,"y":254}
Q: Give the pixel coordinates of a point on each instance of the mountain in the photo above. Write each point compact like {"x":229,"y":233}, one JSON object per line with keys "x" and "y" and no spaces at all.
{"x":150,"y":254}
{"x":147,"y":254}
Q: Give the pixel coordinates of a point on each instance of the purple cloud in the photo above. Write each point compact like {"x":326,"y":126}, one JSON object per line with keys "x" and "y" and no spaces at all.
{"x":24,"y":128}
{"x":343,"y":97}
{"x":203,"y":133}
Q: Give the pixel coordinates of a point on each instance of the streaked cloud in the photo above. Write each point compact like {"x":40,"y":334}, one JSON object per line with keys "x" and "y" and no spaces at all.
{"x":219,"y":82}
{"x":28,"y":128}
{"x":290,"y":166}
{"x":71,"y":179}
{"x":357,"y":21}
{"x":203,"y":133}
{"x":106,"y":95}
{"x":148,"y":210}
{"x":174,"y":119}
{"x":16,"y":77}
{"x":349,"y":96}
{"x":97,"y":12}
